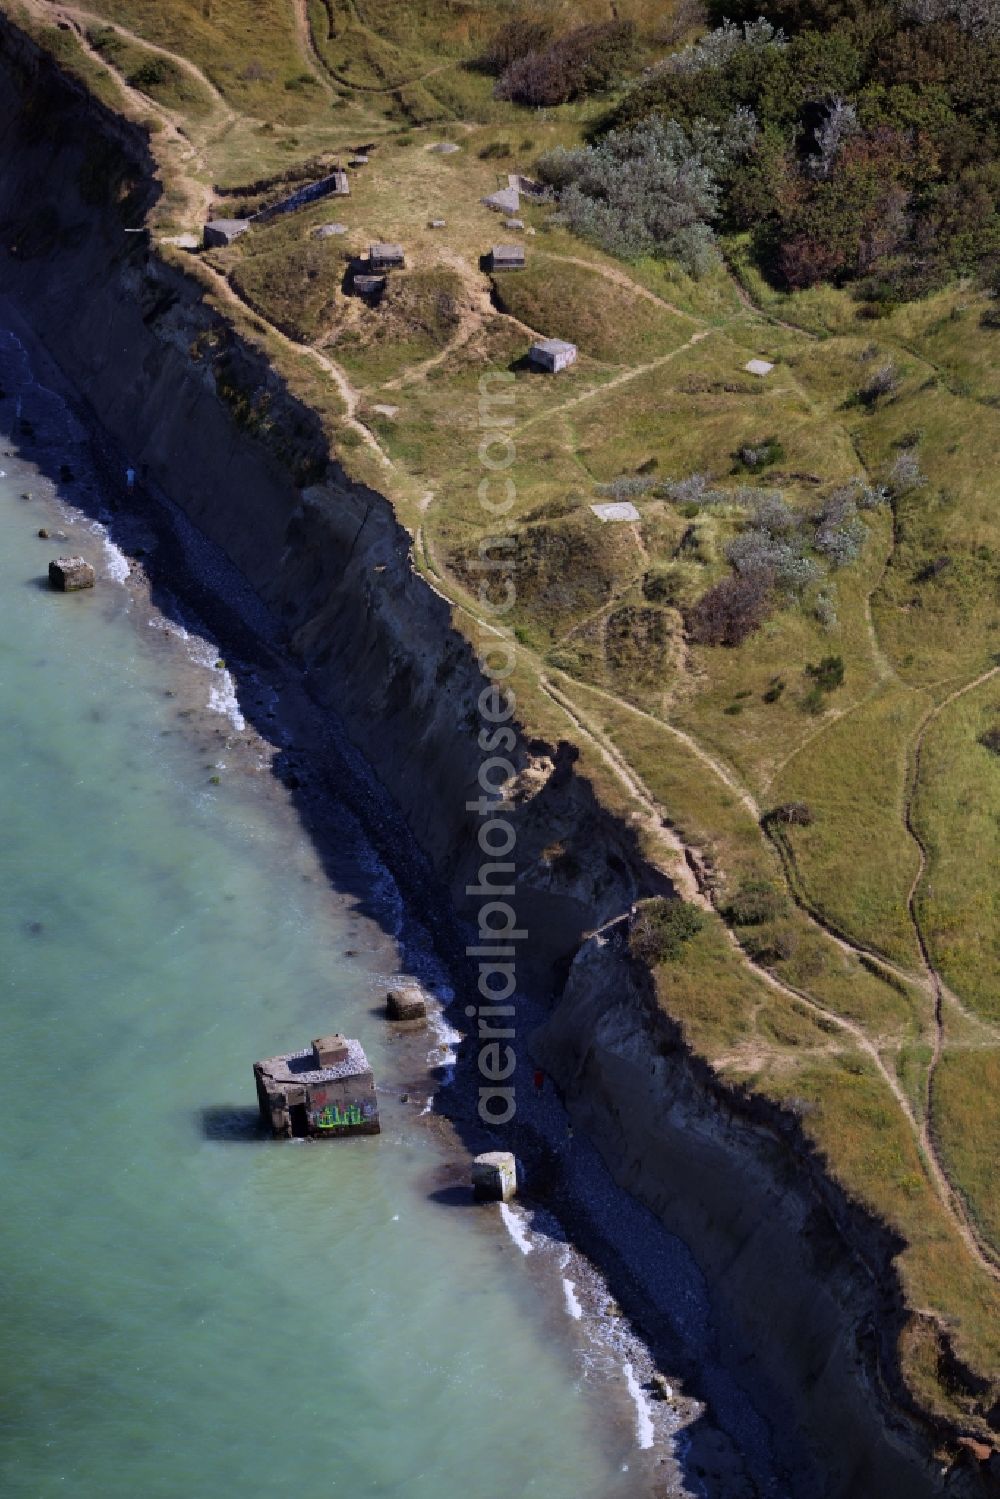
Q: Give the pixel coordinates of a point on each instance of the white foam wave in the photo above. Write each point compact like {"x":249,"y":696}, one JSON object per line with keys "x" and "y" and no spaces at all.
{"x":116,"y":564}
{"x":446,"y":1038}
{"x":223,"y":699}
{"x":515,"y":1225}
{"x":644,"y":1429}
{"x":573,"y":1306}
{"x":222,"y":694}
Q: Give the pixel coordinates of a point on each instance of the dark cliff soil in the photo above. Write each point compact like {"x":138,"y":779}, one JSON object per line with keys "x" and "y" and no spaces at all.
{"x":802,"y":1284}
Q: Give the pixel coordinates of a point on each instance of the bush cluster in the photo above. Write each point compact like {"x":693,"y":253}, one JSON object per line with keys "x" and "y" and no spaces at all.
{"x":652,"y":190}
{"x":876,"y":158}
{"x":662,"y":927}
{"x":584,"y":61}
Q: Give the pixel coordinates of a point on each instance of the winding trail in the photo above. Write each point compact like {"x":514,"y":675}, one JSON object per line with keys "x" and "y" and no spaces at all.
{"x":310,"y":52}
{"x":941,"y":995}
{"x":620,"y":278}
{"x":623,"y":379}
{"x":348,"y":394}
{"x":954,"y":1205}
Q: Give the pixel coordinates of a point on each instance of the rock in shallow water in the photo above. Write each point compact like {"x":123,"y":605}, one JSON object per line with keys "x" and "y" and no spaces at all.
{"x":406,"y":1002}
{"x":494,"y":1176}
{"x":70,"y":574}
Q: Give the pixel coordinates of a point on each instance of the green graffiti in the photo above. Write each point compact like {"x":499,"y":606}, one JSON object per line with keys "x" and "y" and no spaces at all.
{"x":334,"y":1119}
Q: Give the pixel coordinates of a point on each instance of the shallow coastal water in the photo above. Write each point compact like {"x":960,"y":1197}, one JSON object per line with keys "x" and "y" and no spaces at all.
{"x":191,"y":1310}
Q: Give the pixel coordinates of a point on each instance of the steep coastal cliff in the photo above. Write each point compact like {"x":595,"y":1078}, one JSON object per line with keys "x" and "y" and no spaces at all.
{"x":804,"y":1280}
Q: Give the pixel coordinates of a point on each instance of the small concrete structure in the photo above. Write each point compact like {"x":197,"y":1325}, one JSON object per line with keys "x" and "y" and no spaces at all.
{"x":220,"y":232}
{"x":369,"y":287}
{"x":437,"y":223}
{"x":494,"y":1176}
{"x":616,"y":510}
{"x":758,"y":367}
{"x":406,"y":1002}
{"x":322,"y":1093}
{"x":513,"y":223}
{"x":506,"y":201}
{"x":552,"y":355}
{"x":507,"y":258}
{"x":358,"y":161}
{"x":70,"y":574}
{"x":444,"y":148}
{"x":325,"y":231}
{"x":386,"y":257}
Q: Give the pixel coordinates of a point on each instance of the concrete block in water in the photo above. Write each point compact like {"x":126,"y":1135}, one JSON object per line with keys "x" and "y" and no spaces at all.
{"x":69,"y":574}
{"x":494,"y":1176}
{"x":406,"y":1002}
{"x":324,"y":1092}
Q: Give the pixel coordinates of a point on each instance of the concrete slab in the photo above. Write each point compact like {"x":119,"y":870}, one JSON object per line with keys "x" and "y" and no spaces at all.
{"x":616,"y":510}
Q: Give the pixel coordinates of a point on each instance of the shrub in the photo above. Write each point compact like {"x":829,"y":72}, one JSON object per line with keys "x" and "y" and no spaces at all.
{"x":516,"y":38}
{"x":792,"y":815}
{"x":840,"y":532}
{"x":584,"y":61}
{"x":990,"y":740}
{"x":719,"y":47}
{"x":662,"y":927}
{"x":770,"y":512}
{"x":151,"y":74}
{"x":756,"y":553}
{"x":626,"y":487}
{"x":932,"y":569}
{"x":694,"y":490}
{"x":754,"y":456}
{"x":828,"y":674}
{"x":825,"y":610}
{"x":905,"y":475}
{"x":753,"y":903}
{"x":881,"y":383}
{"x":663,"y":586}
{"x":776,"y":945}
{"x":651,"y":190}
{"x":494,"y":150}
{"x":774,"y":691}
{"x":730,"y":611}
{"x":686,"y":16}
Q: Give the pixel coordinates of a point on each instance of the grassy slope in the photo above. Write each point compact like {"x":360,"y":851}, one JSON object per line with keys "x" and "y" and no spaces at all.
{"x":662,"y":387}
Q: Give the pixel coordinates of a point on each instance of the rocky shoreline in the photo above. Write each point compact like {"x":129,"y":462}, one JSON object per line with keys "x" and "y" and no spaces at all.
{"x":262,"y":726}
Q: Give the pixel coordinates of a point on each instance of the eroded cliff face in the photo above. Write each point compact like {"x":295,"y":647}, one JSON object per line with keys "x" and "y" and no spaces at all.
{"x":734,"y":1178}
{"x":212,"y":426}
{"x":179,"y":394}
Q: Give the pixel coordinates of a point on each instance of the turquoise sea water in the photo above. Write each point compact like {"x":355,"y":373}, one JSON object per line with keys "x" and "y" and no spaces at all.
{"x":189,"y":1312}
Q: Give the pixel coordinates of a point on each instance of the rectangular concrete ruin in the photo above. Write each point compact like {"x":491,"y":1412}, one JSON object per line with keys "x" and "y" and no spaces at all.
{"x":552,"y":355}
{"x":369,"y":287}
{"x":220,"y":232}
{"x":70,"y":574}
{"x":385,"y":257}
{"x":507,"y":258}
{"x":325,"y":1092}
{"x":616,"y":510}
{"x":506,"y":201}
{"x":406,"y":1001}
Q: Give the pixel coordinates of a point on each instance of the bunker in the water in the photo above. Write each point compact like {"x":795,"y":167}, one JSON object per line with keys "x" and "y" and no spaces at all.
{"x":324,"y":1092}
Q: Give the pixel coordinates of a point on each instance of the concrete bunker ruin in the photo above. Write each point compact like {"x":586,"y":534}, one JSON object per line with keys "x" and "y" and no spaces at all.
{"x":322,"y":1093}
